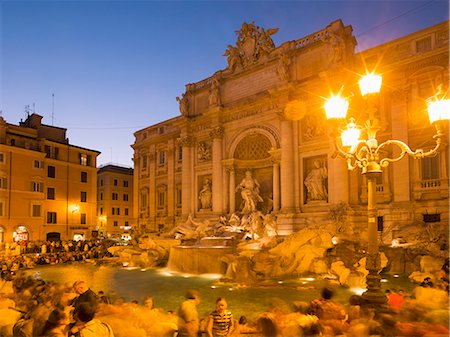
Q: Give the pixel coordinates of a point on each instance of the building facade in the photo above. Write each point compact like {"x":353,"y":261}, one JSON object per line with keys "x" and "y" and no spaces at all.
{"x":264,"y":115}
{"x":115,"y":201}
{"x":48,"y":187}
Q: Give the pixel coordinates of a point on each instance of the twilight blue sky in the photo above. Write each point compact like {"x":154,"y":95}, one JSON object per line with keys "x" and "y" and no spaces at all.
{"x":115,"y":67}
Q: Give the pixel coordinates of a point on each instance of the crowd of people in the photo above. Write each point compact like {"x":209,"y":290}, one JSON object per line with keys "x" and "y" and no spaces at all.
{"x":50,"y":309}
{"x":35,"y":307}
{"x":27,"y":254}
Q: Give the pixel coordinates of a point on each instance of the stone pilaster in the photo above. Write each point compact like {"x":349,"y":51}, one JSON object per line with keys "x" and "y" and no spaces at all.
{"x":171,"y":180}
{"x":400,"y":169}
{"x":187,"y":143}
{"x":287,"y":167}
{"x":217,"y":190}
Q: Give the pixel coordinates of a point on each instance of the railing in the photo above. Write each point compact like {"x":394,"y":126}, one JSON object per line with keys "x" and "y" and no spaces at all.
{"x":430,"y":184}
{"x":306,"y":41}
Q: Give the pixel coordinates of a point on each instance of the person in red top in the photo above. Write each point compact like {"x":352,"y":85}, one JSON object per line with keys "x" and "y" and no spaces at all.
{"x":395,"y":299}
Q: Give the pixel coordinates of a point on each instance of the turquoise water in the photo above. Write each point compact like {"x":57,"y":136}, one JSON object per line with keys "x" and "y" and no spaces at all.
{"x":168,"y":289}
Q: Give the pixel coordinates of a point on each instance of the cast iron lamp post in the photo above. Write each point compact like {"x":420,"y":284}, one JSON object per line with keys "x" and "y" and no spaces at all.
{"x":365,"y":153}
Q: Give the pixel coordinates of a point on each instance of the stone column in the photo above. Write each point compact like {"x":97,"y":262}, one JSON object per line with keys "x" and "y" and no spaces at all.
{"x":287,"y":167}
{"x":136,"y":189}
{"x":216,"y":134}
{"x":151,"y":206}
{"x":276,"y":187}
{"x":171,"y":181}
{"x":232,"y":186}
{"x":186,"y":184}
{"x":275,"y":157}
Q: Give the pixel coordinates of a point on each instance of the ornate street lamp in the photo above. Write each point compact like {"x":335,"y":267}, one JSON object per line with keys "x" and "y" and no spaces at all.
{"x":366,"y":154}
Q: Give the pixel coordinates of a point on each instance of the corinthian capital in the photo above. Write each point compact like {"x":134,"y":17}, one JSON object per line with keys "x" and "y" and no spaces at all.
{"x":186,"y":141}
{"x":216,"y":132}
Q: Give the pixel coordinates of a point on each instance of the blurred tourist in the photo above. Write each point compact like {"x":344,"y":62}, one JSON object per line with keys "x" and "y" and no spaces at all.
{"x":220,"y":321}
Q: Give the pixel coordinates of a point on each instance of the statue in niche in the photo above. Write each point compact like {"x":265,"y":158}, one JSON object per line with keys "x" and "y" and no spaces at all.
{"x":214,"y":95}
{"x":249,"y":188}
{"x":184,"y":104}
{"x":315,"y":182}
{"x":205,"y":195}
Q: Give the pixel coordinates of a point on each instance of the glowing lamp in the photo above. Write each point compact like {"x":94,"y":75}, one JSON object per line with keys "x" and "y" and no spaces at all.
{"x":439,"y":110}
{"x":370,"y":84}
{"x":350,"y":136}
{"x":336,"y":107}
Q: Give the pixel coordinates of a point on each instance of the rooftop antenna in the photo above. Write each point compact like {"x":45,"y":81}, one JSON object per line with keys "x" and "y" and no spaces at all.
{"x":53,"y":108}
{"x":27,"y":110}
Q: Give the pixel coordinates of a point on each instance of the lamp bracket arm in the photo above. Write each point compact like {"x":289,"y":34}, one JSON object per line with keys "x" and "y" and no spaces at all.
{"x":405,"y":149}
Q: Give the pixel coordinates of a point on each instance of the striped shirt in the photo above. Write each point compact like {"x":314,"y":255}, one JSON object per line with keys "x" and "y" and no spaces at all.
{"x":221,"y":323}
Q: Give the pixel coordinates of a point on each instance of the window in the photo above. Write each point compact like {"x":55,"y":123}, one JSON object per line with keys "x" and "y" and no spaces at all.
{"x":37,"y":164}
{"x":51,"y":171}
{"x":13,"y":142}
{"x":115,"y":196}
{"x":430,"y":168}
{"x":36,"y":210}
{"x":37,"y":186}
{"x":161,"y":199}
{"x":51,"y":193}
{"x":113,"y":211}
{"x":51,"y":152}
{"x":116,"y":182}
{"x":3,"y":183}
{"x":2,"y":157}
{"x":162,"y":157}
{"x":423,"y":45}
{"x":180,"y":153}
{"x":101,"y":196}
{"x":85,"y":159}
{"x":127,"y":224}
{"x":125,"y":183}
{"x":1,"y":208}
{"x":436,"y":217}
{"x":101,"y":210}
{"x":84,"y":177}
{"x":83,"y":196}
{"x":125,"y":197}
{"x":144,"y":161}
{"x":117,"y":211}
{"x":83,"y":218}
{"x":126,"y":211}
{"x":116,"y":223}
{"x":101,"y":182}
{"x":178,"y":195}
{"x":51,"y":217}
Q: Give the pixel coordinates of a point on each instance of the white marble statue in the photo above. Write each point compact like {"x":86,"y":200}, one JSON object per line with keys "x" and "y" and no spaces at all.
{"x":315,"y":183}
{"x":205,"y":195}
{"x":249,"y":188}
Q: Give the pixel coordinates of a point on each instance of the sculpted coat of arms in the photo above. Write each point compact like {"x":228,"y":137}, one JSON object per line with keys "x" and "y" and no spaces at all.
{"x":253,"y":43}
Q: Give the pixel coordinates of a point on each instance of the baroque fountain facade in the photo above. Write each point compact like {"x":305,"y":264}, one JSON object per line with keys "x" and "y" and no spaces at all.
{"x":248,"y":166}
